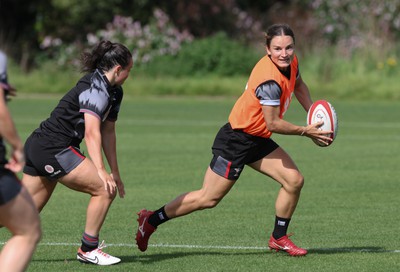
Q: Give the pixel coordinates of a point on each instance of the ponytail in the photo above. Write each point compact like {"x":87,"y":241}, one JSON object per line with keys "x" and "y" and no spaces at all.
{"x":105,"y":56}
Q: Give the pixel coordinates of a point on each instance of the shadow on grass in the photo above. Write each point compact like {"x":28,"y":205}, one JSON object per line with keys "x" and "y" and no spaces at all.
{"x":348,"y":250}
{"x":146,"y":258}
{"x":152,"y":258}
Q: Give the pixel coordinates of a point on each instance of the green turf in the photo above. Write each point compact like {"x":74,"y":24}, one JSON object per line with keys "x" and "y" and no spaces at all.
{"x":347,"y":216}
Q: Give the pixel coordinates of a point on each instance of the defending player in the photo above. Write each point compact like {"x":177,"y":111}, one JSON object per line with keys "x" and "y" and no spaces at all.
{"x":88,"y":111}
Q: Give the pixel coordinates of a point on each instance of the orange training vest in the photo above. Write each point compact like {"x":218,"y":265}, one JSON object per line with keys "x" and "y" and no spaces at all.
{"x":247,"y":112}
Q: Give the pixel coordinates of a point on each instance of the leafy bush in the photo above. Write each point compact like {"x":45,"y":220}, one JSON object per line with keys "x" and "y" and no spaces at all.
{"x":216,"y":55}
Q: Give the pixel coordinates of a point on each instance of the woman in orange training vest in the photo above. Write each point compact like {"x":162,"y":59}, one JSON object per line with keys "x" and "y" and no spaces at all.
{"x":245,"y":140}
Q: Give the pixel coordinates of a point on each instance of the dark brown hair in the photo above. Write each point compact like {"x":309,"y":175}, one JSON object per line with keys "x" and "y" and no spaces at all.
{"x":278,"y":30}
{"x":105,"y":56}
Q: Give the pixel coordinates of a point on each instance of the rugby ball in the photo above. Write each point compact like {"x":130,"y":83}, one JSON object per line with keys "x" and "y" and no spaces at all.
{"x":322,"y":110}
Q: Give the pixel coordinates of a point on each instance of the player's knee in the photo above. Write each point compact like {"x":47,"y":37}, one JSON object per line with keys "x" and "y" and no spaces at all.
{"x":107,"y":195}
{"x":37,"y":236}
{"x":299,"y":181}
{"x":296,"y":183}
{"x":110,"y":196}
{"x":35,"y":233}
{"x":113,"y":195}
{"x":209,"y":203}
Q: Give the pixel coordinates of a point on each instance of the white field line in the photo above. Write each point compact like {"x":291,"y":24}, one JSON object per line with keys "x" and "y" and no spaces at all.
{"x":338,"y":250}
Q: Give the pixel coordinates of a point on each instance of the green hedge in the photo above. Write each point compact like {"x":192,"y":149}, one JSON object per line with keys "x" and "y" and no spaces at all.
{"x":217,"y":66}
{"x":217,"y":55}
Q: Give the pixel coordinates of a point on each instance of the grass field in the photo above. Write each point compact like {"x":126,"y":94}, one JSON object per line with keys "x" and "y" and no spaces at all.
{"x":347,"y":216}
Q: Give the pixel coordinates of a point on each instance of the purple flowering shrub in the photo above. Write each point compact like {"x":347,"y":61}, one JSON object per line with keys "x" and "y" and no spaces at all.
{"x":158,"y":38}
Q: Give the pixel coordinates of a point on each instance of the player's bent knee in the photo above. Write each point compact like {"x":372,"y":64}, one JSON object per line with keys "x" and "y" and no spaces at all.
{"x":209,"y":203}
{"x":296,"y":183}
{"x":113,"y":195}
{"x":34,"y":233}
{"x":299,"y":182}
{"x":100,"y":191}
{"x":37,"y":236}
{"x":106,"y":195}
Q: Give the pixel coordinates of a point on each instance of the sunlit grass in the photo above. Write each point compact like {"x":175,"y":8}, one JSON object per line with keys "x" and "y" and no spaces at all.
{"x":351,"y":189}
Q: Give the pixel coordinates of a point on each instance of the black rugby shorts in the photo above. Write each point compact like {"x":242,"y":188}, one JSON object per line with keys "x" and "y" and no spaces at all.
{"x":48,"y":160}
{"x":233,"y":149}
{"x":10,"y":186}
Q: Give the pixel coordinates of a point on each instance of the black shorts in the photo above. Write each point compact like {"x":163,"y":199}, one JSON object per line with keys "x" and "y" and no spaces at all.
{"x":233,"y":149}
{"x":10,"y":186}
{"x":50,"y":160}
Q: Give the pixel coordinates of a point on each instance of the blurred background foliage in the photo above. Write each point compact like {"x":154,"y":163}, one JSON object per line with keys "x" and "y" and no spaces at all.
{"x":338,"y":41}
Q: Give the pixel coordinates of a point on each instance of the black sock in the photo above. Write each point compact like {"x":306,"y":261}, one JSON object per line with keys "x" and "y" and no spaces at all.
{"x":89,"y":243}
{"x":158,"y":217}
{"x":281,"y":226}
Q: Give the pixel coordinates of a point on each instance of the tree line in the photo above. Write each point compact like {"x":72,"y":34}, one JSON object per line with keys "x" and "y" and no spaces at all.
{"x":25,"y":24}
